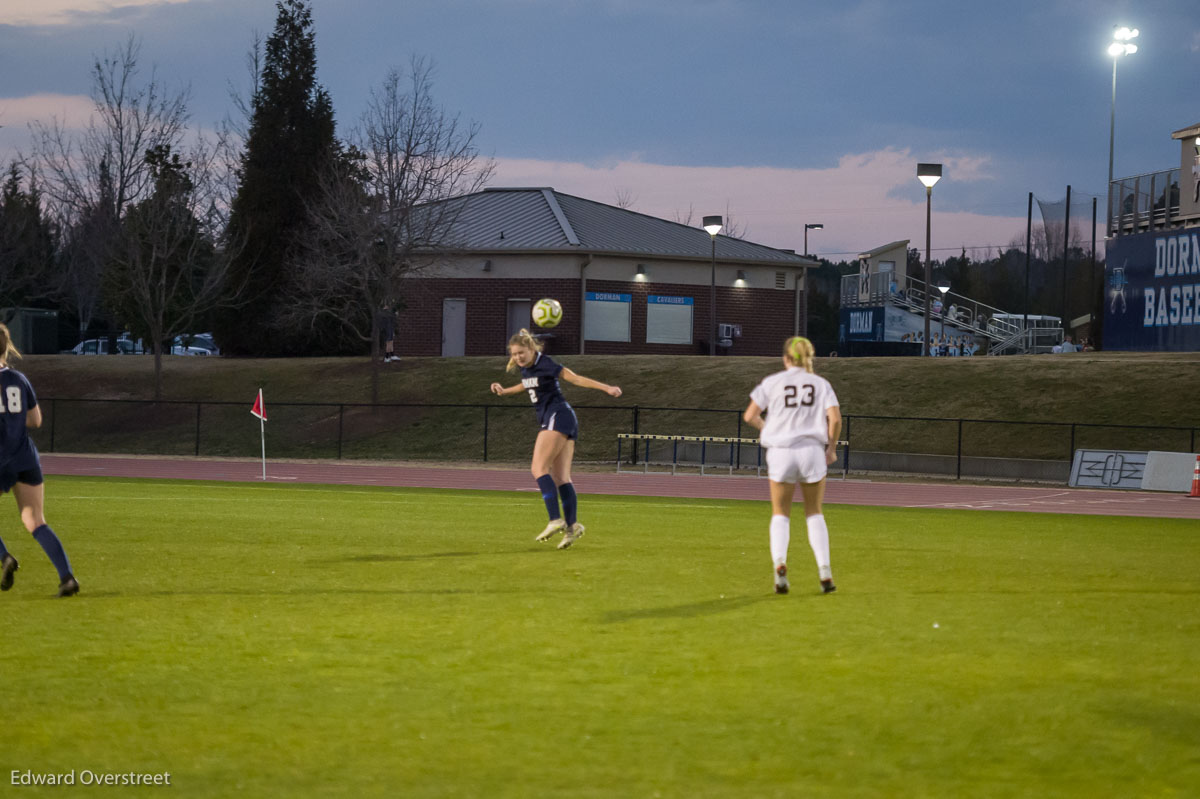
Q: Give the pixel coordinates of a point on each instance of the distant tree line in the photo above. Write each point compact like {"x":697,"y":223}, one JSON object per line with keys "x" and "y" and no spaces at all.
{"x":275,"y":233}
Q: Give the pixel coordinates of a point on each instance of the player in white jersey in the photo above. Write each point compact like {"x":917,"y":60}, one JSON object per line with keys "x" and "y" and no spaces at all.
{"x":800,"y":434}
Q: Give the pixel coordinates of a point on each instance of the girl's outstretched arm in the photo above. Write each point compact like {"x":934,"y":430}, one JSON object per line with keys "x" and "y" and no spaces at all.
{"x":496,"y":388}
{"x":587,"y":382}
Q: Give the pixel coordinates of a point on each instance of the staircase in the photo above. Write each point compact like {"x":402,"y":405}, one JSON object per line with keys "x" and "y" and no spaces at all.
{"x":1006,"y":333}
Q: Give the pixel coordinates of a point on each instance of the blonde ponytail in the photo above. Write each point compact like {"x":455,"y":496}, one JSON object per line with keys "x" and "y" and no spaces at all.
{"x":799,"y":352}
{"x":525,"y":339}
{"x":8,"y":350}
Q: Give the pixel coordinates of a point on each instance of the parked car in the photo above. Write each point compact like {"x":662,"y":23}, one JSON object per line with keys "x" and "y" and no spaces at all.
{"x":100,"y":346}
{"x":194,"y":344}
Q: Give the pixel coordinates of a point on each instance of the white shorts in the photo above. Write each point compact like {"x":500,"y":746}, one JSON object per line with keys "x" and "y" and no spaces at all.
{"x":802,"y":464}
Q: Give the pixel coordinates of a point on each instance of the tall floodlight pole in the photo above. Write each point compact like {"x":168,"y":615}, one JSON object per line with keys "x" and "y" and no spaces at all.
{"x":713,"y":225}
{"x":1121,"y":46}
{"x":928,"y":174}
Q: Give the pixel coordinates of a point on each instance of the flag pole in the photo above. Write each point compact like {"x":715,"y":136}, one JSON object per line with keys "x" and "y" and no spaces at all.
{"x":262,"y":426}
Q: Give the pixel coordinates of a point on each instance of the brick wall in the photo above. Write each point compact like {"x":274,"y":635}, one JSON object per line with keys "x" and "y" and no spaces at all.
{"x":766,"y":315}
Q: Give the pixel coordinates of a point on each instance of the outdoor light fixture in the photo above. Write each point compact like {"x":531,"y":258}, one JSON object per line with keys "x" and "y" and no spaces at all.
{"x":807,"y":227}
{"x":928,"y":174}
{"x":1120,"y":46}
{"x":641,"y":272}
{"x":741,"y":275}
{"x":943,"y":286}
{"x":713,"y":225}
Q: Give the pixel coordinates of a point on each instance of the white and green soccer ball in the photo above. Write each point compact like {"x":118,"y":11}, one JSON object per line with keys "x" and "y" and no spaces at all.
{"x":547,"y":313}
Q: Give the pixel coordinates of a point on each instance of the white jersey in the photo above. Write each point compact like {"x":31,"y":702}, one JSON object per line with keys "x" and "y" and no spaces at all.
{"x":795,"y":402}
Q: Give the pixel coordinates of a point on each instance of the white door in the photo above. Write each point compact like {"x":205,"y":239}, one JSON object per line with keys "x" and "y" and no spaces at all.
{"x":454,"y":328}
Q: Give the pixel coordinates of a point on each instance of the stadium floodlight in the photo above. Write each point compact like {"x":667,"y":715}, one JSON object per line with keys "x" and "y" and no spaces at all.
{"x":928,"y":174}
{"x":1121,"y":46}
{"x":713,"y":225}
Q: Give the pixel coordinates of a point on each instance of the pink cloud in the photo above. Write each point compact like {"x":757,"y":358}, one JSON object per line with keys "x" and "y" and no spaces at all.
{"x":867,"y":199}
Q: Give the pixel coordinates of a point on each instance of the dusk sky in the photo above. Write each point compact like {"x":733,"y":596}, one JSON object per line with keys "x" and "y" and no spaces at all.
{"x":781,"y":112}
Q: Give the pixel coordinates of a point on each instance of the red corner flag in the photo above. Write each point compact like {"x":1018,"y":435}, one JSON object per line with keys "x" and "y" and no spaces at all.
{"x":259,"y":409}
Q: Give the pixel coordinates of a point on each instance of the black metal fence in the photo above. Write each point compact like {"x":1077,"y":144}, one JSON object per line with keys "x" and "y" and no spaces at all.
{"x":503,"y":432}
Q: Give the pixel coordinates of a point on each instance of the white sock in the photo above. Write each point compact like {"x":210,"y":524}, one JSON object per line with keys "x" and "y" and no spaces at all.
{"x":818,"y":539}
{"x":781,"y":532}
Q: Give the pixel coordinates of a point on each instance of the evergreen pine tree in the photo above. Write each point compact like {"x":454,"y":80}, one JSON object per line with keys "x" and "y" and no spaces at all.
{"x":291,"y":139}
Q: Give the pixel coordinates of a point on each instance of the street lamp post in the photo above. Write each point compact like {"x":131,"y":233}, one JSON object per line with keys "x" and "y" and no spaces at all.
{"x":804,"y":273}
{"x":713,"y":225}
{"x":1121,"y":46}
{"x":808,"y":227}
{"x":943,"y":286}
{"x":928,"y":174}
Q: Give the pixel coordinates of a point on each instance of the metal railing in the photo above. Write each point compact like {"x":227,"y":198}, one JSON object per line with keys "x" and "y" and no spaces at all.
{"x":1143,"y":202}
{"x":968,"y":314}
{"x":495,"y":432}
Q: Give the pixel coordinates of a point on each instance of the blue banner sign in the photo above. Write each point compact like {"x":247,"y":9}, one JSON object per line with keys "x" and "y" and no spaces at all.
{"x":658,"y":299}
{"x":861,"y":324}
{"x":606,"y":296}
{"x":1152,"y":292}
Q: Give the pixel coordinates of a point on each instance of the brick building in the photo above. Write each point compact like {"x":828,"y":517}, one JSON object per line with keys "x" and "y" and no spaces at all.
{"x":628,"y":283}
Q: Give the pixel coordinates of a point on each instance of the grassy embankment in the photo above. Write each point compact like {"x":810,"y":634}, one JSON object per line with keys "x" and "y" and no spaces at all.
{"x":1094,"y":388}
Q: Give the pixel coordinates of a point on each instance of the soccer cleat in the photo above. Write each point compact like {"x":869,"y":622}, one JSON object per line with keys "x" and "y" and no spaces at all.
{"x":68,"y":587}
{"x":571,"y":535}
{"x":7,"y":568}
{"x":555,"y":526}
{"x":827,"y":587}
{"x":781,"y":580}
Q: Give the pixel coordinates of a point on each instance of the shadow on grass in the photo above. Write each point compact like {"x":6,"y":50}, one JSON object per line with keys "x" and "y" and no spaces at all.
{"x":707,"y":608}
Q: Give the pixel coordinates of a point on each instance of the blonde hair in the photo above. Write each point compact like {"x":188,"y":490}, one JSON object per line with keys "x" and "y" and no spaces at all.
{"x":525,"y":339}
{"x":8,"y":350}
{"x":799,"y":352}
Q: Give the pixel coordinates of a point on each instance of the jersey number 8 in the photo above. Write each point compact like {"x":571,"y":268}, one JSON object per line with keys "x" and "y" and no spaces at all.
{"x":14,"y":399}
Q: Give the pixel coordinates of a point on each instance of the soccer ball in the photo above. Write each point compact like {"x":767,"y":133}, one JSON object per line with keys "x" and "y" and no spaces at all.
{"x":547,"y":313}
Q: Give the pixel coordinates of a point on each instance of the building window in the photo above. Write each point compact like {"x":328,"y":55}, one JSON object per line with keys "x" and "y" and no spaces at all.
{"x":668,"y":320}
{"x":606,"y":316}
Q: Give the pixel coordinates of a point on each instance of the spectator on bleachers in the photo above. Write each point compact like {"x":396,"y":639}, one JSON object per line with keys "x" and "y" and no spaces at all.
{"x":1068,"y":345}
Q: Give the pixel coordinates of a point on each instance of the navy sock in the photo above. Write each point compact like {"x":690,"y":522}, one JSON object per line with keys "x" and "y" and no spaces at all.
{"x":570,"y":501}
{"x":3,"y":550}
{"x":49,"y":541}
{"x":549,"y":495}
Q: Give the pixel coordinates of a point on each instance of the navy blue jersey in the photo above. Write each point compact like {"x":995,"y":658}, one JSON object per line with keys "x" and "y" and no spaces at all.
{"x":540,"y":379}
{"x":16,"y":400}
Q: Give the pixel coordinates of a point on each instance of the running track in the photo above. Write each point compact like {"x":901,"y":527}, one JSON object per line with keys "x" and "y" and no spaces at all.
{"x":1048,"y":499}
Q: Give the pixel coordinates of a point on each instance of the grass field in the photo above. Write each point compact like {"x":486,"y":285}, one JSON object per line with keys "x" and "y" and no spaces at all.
{"x":306,"y":640}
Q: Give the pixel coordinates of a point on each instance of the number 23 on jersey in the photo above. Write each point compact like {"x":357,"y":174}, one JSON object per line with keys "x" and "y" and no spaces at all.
{"x":805,"y":394}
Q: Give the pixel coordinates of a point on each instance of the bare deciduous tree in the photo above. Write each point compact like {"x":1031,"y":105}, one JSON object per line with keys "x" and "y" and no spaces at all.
{"x":91,"y":177}
{"x":387,"y":209}
{"x":169,"y":261}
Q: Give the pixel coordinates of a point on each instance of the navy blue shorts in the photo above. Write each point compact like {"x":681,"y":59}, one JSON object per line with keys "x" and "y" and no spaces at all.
{"x":560,"y":418}
{"x":27,"y":471}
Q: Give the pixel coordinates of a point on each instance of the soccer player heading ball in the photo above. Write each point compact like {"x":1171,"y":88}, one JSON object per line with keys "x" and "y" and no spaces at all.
{"x":555,"y":445}
{"x":800,"y":434}
{"x":21,"y":469}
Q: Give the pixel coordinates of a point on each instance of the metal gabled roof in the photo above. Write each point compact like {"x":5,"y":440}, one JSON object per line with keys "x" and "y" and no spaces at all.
{"x":544,"y":220}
